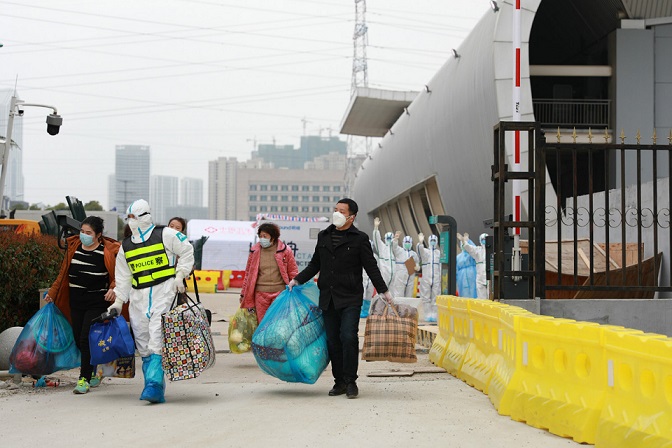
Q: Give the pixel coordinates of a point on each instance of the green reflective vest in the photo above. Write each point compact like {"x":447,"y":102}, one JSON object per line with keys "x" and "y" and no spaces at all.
{"x":148,"y":261}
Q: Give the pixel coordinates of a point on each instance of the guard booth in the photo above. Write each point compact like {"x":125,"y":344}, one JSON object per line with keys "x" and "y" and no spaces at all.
{"x":447,"y":228}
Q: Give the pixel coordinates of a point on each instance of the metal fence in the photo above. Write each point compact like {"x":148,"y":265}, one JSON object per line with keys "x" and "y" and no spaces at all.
{"x":604,"y":233}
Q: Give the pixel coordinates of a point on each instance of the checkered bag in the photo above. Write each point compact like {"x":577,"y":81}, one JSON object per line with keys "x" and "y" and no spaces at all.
{"x":389,"y":337}
{"x":187,"y":341}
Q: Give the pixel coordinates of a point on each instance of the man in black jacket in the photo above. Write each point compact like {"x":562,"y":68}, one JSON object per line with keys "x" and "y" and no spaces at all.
{"x":340,"y":254}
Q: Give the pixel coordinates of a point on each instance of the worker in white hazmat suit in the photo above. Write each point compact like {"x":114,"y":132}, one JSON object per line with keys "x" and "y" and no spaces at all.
{"x":386,"y":261}
{"x":368,"y":288}
{"x":403,"y":283}
{"x":430,"y":282}
{"x":478,"y":254}
{"x":148,"y":280}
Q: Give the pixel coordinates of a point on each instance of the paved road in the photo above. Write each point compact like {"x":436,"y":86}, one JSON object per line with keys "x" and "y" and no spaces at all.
{"x":235,"y":404}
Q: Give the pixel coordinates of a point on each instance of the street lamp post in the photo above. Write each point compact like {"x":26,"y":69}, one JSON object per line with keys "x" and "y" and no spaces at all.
{"x":16,"y":106}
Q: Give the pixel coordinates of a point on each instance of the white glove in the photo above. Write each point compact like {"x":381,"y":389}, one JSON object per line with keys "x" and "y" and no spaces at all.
{"x":117,"y":305}
{"x":292,"y":283}
{"x":388,"y":297}
{"x":421,"y":237}
{"x":460,"y":238}
{"x":397,"y":234}
{"x":417,"y":268}
{"x":179,"y":283}
{"x":465,"y":238}
{"x":376,"y":222}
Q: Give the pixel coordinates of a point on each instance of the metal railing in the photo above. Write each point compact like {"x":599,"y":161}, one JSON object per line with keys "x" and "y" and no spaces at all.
{"x":606,"y":232}
{"x":572,"y":113}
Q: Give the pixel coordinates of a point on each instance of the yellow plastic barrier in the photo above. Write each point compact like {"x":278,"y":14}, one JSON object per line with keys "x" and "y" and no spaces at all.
{"x":440,"y":343}
{"x":206,"y":281}
{"x":499,"y":392}
{"x":638,"y":403}
{"x":224,"y":280}
{"x":562,"y":377}
{"x":483,"y":353}
{"x":459,"y":325}
{"x":600,"y":384}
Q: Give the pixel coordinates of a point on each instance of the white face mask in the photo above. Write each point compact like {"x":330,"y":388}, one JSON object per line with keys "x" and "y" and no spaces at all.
{"x":339,"y":219}
{"x":134,"y":224}
{"x":265,"y":242}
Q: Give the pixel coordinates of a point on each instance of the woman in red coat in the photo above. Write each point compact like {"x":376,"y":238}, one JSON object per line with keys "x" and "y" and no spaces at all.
{"x":270,"y":267}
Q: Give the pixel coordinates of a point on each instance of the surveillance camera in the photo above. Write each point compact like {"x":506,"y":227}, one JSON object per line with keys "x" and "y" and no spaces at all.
{"x":54,"y":122}
{"x":20,"y":112}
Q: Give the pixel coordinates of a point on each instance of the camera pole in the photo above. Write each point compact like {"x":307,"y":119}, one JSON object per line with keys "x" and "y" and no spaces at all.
{"x":5,"y":150}
{"x":54,"y":121}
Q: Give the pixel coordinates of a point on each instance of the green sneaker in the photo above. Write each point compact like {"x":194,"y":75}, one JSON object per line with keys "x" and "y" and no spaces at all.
{"x":95,"y":381}
{"x":82,"y":387}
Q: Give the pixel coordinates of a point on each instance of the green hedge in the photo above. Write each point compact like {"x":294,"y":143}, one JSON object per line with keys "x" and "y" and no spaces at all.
{"x":27,"y":263}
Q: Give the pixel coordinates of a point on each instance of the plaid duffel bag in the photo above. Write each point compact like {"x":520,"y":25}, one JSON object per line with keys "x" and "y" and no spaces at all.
{"x":188,"y":348}
{"x":390,"y":333}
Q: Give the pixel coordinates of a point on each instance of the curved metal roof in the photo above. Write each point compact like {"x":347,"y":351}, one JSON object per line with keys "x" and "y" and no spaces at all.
{"x":447,"y":132}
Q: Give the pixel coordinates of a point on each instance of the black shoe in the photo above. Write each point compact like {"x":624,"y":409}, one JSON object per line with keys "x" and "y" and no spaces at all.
{"x":351,"y":390}
{"x":338,"y":389}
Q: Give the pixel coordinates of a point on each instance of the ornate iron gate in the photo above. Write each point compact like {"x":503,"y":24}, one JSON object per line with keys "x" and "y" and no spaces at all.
{"x":607,"y":229}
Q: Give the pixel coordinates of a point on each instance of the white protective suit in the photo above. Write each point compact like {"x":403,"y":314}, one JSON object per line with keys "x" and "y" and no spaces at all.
{"x":148,"y":304}
{"x":386,"y":261}
{"x":430,"y":282}
{"x":368,"y":288}
{"x":403,"y":283}
{"x":478,"y":254}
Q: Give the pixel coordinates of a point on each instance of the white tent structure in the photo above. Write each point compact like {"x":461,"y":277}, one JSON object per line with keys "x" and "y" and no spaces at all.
{"x":228,"y":243}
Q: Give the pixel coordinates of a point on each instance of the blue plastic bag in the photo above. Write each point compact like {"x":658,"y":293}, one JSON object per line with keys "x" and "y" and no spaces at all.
{"x":110,"y":340}
{"x":290,"y":342}
{"x":46,"y":344}
{"x":465,"y":274}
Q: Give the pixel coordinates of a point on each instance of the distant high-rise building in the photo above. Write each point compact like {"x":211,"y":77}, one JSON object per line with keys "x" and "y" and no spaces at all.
{"x":14,"y":180}
{"x":222,"y":188}
{"x":191,"y":192}
{"x":312,"y":146}
{"x":131,"y":175}
{"x":162,"y":196}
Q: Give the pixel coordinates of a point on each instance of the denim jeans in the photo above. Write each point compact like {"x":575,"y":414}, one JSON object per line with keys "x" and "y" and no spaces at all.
{"x":342,"y":327}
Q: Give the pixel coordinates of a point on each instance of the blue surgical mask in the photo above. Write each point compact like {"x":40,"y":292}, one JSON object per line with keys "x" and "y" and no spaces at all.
{"x":265,"y":242}
{"x":87,"y":240}
{"x":408,"y":246}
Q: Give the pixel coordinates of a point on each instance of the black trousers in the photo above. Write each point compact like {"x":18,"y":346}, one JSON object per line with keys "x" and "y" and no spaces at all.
{"x":342,"y":327}
{"x":81,"y":324}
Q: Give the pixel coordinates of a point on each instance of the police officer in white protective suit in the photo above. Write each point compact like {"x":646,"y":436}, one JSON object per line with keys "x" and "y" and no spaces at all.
{"x":146,"y":276}
{"x":430,"y":282}
{"x":478,"y":254}
{"x":403,"y":282}
{"x":386,"y":260}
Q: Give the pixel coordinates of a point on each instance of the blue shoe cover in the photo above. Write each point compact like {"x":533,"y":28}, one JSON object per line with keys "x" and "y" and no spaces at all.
{"x":153,"y":393}
{"x":155,"y":383}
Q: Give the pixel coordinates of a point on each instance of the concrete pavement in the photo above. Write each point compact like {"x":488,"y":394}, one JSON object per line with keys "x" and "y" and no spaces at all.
{"x":235,"y":404}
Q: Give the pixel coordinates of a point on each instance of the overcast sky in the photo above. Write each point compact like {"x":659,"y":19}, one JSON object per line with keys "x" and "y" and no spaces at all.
{"x":196,"y":80}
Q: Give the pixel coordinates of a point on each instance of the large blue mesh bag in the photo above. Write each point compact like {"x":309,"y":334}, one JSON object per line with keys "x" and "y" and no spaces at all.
{"x":290,"y":342}
{"x":46,"y":344}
